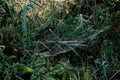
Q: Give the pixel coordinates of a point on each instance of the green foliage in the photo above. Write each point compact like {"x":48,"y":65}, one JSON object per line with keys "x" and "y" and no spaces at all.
{"x":69,"y":40}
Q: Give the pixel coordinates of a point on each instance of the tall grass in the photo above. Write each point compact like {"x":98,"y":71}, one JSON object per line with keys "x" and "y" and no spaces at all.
{"x":52,"y":40}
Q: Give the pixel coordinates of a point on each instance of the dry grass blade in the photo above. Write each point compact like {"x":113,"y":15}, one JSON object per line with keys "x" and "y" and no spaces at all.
{"x":115,"y":75}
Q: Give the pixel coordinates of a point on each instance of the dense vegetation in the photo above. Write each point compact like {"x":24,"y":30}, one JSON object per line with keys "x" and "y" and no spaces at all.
{"x":59,"y":40}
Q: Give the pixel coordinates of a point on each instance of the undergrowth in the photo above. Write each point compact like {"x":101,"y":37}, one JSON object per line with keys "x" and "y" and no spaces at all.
{"x":59,"y":40}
